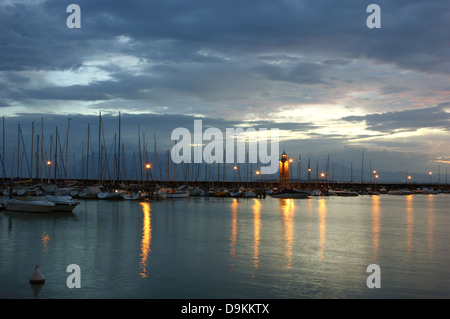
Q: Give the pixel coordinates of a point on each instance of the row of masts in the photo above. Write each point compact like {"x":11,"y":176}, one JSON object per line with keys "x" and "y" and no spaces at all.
{"x":54,"y":161}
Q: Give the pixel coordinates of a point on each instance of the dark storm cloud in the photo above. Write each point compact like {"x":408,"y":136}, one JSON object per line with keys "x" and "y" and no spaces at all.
{"x":409,"y":120}
{"x":212,"y":50}
{"x":413,"y":33}
{"x":301,"y":73}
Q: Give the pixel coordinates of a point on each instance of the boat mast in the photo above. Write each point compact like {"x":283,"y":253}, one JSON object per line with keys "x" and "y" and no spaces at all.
{"x":87,"y":154}
{"x":118,"y":157}
{"x":18,"y":151}
{"x":4,"y":175}
{"x":42,"y":147}
{"x":32,"y":149}
{"x":140,"y":154}
{"x":56,"y":152}
{"x":362,"y":168}
{"x":50,"y":156}
{"x":67,"y":146}
{"x":37,"y":157}
{"x":99,"y":147}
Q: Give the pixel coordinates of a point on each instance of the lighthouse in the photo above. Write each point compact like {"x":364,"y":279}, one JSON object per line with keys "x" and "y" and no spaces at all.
{"x":284,"y":170}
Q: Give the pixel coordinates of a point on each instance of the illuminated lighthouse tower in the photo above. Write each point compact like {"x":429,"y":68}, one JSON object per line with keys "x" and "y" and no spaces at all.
{"x":284,"y":170}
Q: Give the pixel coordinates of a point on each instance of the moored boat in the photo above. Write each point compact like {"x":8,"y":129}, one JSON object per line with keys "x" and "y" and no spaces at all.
{"x":346,"y":193}
{"x":425,"y":191}
{"x":133,"y":195}
{"x":29,"y":205}
{"x":112,"y":194}
{"x":176,"y":193}
{"x":221,"y":193}
{"x":249,"y":194}
{"x":236,"y":194}
{"x":291,"y":193}
{"x":400,"y":192}
{"x":62,"y":203}
{"x":316,"y":192}
{"x":91,"y":192}
{"x":160,"y":194}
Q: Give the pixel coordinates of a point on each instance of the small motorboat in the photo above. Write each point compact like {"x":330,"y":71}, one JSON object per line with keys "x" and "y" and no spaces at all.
{"x":29,"y":205}
{"x":62,"y":203}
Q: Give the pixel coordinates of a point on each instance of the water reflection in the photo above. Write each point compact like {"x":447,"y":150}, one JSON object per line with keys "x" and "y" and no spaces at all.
{"x":430,"y":220}
{"x":256,"y":230}
{"x":375,"y":225}
{"x":45,"y":239}
{"x":322,"y":210}
{"x":409,"y":222}
{"x":146,"y":238}
{"x":288,"y":208}
{"x":234,"y":227}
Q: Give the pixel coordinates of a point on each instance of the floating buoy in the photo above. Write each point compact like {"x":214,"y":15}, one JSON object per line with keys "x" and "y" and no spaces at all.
{"x":37,"y":277}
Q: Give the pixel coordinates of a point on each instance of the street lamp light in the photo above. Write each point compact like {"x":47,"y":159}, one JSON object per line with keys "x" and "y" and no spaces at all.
{"x":148,"y":166}
{"x":430,"y":173}
{"x":257,"y":175}
{"x":49,"y":163}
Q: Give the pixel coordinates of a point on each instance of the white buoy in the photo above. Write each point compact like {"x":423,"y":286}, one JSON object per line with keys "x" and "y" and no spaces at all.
{"x":37,"y":277}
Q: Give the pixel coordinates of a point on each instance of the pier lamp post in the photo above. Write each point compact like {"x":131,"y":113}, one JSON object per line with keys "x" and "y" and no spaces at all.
{"x":430,"y":173}
{"x":322,"y":175}
{"x":148,"y":166}
{"x":49,"y":163}
{"x":257,"y":175}
{"x":409,"y":178}
{"x":376,"y":177}
{"x":235,"y":172}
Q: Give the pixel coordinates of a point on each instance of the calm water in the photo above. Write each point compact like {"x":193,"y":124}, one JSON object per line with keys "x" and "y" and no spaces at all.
{"x":229,"y":248}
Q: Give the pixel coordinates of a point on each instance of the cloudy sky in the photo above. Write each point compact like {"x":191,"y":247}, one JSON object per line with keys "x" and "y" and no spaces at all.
{"x":311,"y":68}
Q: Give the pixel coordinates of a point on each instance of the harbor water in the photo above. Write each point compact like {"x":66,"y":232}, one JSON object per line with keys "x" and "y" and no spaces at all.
{"x":232,"y":248}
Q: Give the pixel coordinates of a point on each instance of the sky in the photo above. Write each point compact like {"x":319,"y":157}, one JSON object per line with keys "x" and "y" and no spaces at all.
{"x":313,"y":69}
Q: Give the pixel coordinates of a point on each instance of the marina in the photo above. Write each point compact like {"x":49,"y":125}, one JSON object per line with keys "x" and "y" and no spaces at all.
{"x":212,"y":152}
{"x":225,"y":247}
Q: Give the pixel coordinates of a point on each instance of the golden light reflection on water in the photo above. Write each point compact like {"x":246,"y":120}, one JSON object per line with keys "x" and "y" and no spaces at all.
{"x":375,"y":225}
{"x":45,"y":239}
{"x":256,"y":230}
{"x":430,"y":222}
{"x":234,"y":227}
{"x":146,"y":238}
{"x":322,"y":210}
{"x":409,"y":222}
{"x":288,"y":208}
